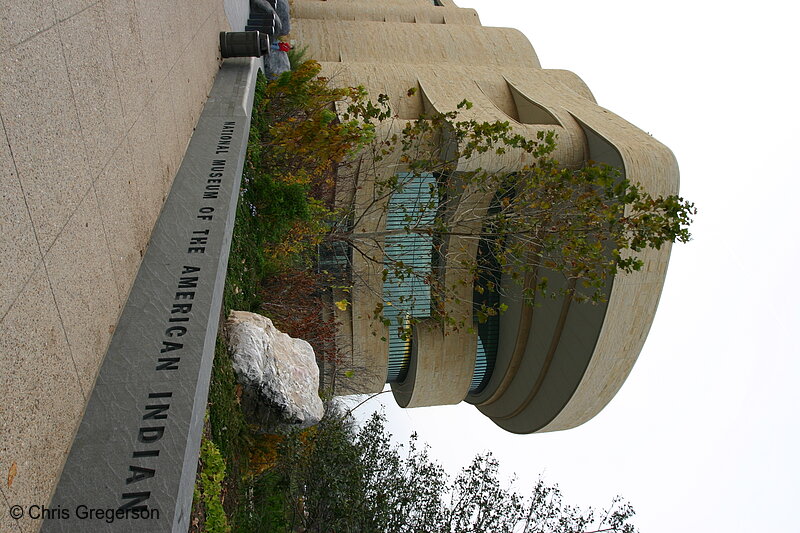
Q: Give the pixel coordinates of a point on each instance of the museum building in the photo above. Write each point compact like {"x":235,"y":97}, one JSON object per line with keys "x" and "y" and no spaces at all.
{"x":539,"y":368}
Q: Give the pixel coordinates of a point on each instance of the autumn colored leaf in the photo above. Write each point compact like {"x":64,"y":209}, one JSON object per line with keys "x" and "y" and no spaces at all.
{"x":12,"y":473}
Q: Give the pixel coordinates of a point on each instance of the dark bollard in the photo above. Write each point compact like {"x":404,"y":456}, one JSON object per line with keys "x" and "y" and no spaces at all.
{"x":243,"y":44}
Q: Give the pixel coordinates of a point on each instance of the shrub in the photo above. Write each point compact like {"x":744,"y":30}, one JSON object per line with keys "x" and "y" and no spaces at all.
{"x":208,"y":488}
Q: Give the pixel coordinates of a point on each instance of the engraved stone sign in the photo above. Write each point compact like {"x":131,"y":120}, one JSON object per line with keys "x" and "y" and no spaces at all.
{"x":133,"y":462}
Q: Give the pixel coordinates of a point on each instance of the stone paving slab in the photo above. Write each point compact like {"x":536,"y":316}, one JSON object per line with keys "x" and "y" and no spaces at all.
{"x":98,"y":100}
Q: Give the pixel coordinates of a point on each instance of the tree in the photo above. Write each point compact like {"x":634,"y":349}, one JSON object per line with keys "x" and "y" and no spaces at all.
{"x":484,"y":222}
{"x":336,"y":477}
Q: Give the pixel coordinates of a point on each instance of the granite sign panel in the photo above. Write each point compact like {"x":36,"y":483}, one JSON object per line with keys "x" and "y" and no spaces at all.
{"x":133,"y":462}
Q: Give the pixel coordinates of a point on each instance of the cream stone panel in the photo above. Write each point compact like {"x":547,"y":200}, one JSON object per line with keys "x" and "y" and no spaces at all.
{"x":441,"y":367}
{"x":370,"y":347}
{"x":366,"y":379}
{"x":360,"y":379}
{"x":377,"y":78}
{"x":444,"y":93}
{"x":419,"y":44}
{"x":443,"y":87}
{"x":445,"y":355}
{"x":384,"y":3}
{"x":549,"y":91}
{"x":370,"y":335}
{"x":571,"y":80}
{"x":632,"y":306}
{"x":379,"y":12}
{"x":634,"y":297}
{"x":426,"y":4}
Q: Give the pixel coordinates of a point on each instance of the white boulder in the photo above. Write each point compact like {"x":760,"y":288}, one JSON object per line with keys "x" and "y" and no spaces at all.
{"x":279,"y":374}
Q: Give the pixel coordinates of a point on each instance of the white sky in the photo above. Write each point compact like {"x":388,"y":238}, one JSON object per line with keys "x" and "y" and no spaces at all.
{"x":704,"y":434}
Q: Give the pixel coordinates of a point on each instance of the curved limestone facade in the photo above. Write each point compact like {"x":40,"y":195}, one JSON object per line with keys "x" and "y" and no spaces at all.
{"x":551,"y":366}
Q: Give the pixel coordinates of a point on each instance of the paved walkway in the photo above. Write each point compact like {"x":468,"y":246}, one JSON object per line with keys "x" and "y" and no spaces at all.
{"x":98,"y":100}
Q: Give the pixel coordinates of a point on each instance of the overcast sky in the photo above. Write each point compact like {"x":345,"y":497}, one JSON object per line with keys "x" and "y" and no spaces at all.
{"x":704,"y":434}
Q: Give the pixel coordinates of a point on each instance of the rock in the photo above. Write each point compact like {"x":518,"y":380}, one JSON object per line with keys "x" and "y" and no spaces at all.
{"x":283,"y":25}
{"x":279,"y":374}
{"x":264,"y":6}
{"x":276,"y":63}
{"x":282,"y":8}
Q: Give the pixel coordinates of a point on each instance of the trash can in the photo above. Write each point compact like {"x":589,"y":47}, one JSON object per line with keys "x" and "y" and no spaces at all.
{"x":243,"y":44}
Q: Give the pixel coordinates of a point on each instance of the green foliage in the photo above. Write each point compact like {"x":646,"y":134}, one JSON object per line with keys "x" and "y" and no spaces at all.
{"x":208,"y":488}
{"x":265,"y":511}
{"x":277,"y":204}
{"x":295,"y":143}
{"x":268,"y":211}
{"x":351,"y":479}
{"x":280,"y":215}
{"x":297,"y":56}
{"x":403,"y":489}
{"x":336,"y":477}
{"x":228,"y":429}
{"x":305,"y":138}
{"x":479,"y":501}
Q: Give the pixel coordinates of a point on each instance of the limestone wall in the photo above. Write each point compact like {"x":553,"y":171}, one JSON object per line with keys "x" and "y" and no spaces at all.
{"x":446,"y":55}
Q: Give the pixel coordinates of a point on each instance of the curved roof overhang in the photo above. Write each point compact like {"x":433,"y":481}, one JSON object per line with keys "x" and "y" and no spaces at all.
{"x":560,"y":363}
